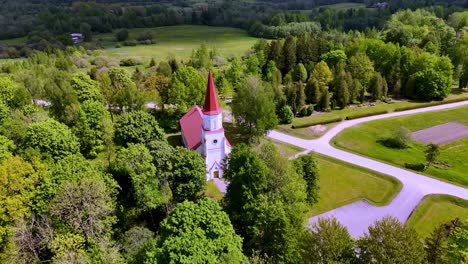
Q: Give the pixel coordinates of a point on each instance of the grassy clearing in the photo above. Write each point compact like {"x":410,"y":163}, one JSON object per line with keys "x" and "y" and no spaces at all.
{"x":435,"y":210}
{"x":287,"y":150}
{"x":344,"y":6}
{"x":343,"y":183}
{"x":212,"y":191}
{"x":180,"y":41}
{"x":367,"y":109}
{"x":363,"y":139}
{"x":305,"y":132}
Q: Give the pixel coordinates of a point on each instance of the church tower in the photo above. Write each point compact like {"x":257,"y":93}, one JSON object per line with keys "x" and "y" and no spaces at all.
{"x":215,"y":146}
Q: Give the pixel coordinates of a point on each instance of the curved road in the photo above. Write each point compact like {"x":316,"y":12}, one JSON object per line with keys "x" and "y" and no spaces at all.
{"x":359,"y":215}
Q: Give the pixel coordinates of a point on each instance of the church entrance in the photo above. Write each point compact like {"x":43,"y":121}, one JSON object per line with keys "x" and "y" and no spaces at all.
{"x":216,"y":174}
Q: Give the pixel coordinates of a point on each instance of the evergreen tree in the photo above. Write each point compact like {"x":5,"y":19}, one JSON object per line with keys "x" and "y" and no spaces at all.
{"x":289,"y":54}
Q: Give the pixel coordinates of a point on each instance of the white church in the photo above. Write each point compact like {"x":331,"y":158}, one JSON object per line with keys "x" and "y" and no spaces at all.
{"x":202,"y":131}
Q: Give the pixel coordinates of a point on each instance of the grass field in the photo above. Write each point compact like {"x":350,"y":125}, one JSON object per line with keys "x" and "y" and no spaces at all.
{"x":435,"y":210}
{"x":344,"y":6}
{"x":180,"y":41}
{"x":212,"y":191}
{"x":363,"y":139}
{"x":342,"y":183}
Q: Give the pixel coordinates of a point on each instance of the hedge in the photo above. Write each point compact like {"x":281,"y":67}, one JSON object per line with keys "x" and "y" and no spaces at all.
{"x":411,"y":107}
{"x":356,"y":116}
{"x":328,"y":121}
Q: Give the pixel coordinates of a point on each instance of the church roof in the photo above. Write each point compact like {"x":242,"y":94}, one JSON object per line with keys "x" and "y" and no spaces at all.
{"x":211,"y":106}
{"x":191,"y":124}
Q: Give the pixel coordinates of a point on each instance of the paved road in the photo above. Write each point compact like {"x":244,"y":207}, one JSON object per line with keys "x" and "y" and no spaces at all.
{"x":359,"y":215}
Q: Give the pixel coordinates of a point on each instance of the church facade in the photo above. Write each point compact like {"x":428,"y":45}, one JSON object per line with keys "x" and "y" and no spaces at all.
{"x":202,"y":131}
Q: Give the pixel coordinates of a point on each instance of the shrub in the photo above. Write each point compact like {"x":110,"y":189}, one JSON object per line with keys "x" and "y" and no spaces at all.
{"x":323,"y":122}
{"x":130,"y":62}
{"x":286,"y":115}
{"x":415,"y":167}
{"x":130,"y":43}
{"x":121,"y":34}
{"x":361,"y":115}
{"x":401,"y":139}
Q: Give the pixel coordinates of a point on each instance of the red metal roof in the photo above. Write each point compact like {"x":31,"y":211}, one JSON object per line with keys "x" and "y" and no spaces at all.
{"x":211,"y":106}
{"x":192,"y":124}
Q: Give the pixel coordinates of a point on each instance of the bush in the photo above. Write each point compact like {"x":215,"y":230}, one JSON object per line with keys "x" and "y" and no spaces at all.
{"x":130,"y":43}
{"x":121,"y":34}
{"x":361,"y":115}
{"x":286,"y":115}
{"x":415,"y":167}
{"x":130,"y":62}
{"x":145,"y":38}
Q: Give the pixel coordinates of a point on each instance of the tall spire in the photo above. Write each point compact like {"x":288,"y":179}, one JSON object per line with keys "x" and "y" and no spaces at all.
{"x":211,"y":106}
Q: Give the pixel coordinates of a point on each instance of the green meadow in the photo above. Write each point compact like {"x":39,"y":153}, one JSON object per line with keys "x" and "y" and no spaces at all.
{"x":364,"y":139}
{"x":179,"y":41}
{"x":435,"y":210}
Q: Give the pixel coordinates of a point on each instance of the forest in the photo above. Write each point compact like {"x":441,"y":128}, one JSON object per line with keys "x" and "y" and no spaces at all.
{"x":89,"y":168}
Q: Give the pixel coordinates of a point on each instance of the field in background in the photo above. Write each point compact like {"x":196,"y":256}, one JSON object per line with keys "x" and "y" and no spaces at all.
{"x":179,"y":41}
{"x":435,"y":210}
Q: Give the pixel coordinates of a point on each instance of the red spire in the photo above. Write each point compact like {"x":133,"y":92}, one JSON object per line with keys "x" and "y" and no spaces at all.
{"x":211,"y":106}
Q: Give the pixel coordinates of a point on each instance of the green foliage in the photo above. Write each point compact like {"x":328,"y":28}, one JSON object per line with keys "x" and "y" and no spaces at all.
{"x":188,"y":88}
{"x":328,"y":242}
{"x":253,"y":107}
{"x":17,"y":184}
{"x":389,"y":241}
{"x":7,"y":90}
{"x":51,"y":138}
{"x":91,"y":127}
{"x":295,"y":96}
{"x":86,"y":88}
{"x":120,"y":91}
{"x":432,"y":152}
{"x":300,"y":73}
{"x":198,"y":233}
{"x":137,"y":127}
{"x":307,"y":167}
{"x":286,"y":115}
{"x":458,"y":244}
{"x":201,"y":58}
{"x":401,"y":139}
{"x":265,"y":201}
{"x":136,"y":242}
{"x":188,"y":175}
{"x":361,"y":68}
{"x":376,"y":86}
{"x":136,"y":163}
{"x":6,"y":147}
{"x":121,"y":34}
{"x":334,"y":57}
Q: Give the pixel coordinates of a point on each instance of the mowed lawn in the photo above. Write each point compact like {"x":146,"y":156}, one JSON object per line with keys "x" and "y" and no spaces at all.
{"x":343,"y":183}
{"x":376,"y":108}
{"x":179,"y":41}
{"x":435,"y":210}
{"x":363,"y":139}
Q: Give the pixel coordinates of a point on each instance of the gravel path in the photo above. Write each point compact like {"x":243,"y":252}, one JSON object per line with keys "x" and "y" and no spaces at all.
{"x":359,"y":215}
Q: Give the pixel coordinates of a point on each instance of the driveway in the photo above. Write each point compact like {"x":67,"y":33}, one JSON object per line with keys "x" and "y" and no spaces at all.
{"x":359,"y":215}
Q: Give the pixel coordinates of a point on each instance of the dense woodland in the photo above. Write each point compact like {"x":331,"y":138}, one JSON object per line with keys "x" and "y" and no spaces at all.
{"x":87,"y":174}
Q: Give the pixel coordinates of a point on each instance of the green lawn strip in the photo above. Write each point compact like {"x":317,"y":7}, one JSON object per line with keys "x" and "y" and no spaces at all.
{"x":212,"y":191}
{"x":363,"y":139}
{"x":435,"y":210}
{"x":180,"y":41}
{"x":344,"y":6}
{"x":343,"y":183}
{"x":304,"y":133}
{"x":377,"y":108}
{"x":285,"y":149}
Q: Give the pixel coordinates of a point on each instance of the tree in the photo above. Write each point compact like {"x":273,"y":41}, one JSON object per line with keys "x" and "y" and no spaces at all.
{"x":334,"y":57}
{"x":121,"y":34}
{"x":137,"y":127}
{"x":289,"y":54}
{"x":361,"y":68}
{"x":325,"y":101}
{"x":51,"y":138}
{"x":159,"y":85}
{"x":18,"y":179}
{"x":328,"y":242}
{"x":430,"y":84}
{"x":134,"y":165}
{"x":312,"y":90}
{"x":253,"y":107}
{"x":197,"y":233}
{"x":201,"y":58}
{"x":7,"y":90}
{"x":286,"y":115}
{"x":432,"y":152}
{"x":86,"y":88}
{"x":136,"y":242}
{"x":389,"y":241}
{"x":188,"y":175}
{"x":122,"y":91}
{"x":299,"y":73}
{"x":87,"y":206}
{"x":376,"y":86}
{"x":252,"y":65}
{"x":307,"y":167}
{"x":188,"y":88}
{"x":296,"y":97}
{"x":458,"y":244}
{"x":342,"y":93}
{"x":91,"y":127}
{"x":322,"y":74}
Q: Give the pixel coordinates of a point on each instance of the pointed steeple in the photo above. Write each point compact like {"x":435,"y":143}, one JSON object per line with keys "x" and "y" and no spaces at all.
{"x":211,"y":106}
